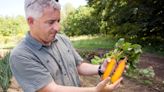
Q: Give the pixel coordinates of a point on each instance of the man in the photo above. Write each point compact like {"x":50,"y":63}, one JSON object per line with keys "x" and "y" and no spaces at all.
{"x":45,"y":61}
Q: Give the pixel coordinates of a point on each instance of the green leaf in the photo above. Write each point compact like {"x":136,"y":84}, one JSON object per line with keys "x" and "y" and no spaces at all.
{"x":119,"y":42}
{"x":96,"y":57}
{"x":96,"y":60}
{"x":137,"y":48}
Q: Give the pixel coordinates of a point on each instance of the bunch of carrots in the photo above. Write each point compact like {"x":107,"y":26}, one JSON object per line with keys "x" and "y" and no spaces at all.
{"x":124,"y":54}
{"x":114,"y":70}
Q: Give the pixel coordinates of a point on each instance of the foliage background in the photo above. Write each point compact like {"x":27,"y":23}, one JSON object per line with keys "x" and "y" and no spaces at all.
{"x":138,"y":21}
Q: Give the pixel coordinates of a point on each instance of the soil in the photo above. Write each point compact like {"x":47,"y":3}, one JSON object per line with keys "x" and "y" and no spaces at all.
{"x":128,"y":85}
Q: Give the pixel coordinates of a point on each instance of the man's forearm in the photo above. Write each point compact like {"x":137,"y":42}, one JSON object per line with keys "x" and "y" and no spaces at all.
{"x":87,"y":69}
{"x":75,"y":89}
{"x":53,"y":87}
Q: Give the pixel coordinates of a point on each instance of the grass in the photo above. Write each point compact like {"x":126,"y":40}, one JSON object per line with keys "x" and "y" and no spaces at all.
{"x":106,"y":42}
{"x":93,"y":42}
{"x":157,"y":50}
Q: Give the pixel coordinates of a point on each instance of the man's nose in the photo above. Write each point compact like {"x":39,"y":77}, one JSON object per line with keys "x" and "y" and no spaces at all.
{"x":56,"y":26}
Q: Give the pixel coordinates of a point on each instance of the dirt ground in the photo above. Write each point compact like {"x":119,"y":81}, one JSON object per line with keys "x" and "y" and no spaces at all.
{"x":129,"y":85}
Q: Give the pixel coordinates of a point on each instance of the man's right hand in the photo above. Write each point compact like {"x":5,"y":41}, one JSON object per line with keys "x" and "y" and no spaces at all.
{"x":104,"y":85}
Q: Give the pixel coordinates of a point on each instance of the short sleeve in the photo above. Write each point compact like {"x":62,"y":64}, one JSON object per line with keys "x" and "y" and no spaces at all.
{"x":77,"y":57}
{"x":29,"y":73}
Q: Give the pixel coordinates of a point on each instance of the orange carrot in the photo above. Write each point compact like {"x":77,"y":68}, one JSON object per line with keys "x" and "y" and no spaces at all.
{"x":110,"y":68}
{"x":119,"y":70}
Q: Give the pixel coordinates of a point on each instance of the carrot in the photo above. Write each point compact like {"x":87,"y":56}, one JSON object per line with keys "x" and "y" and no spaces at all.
{"x":110,"y":68}
{"x":119,"y":70}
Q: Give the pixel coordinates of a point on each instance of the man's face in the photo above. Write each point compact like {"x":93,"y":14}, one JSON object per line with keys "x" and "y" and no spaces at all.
{"x":45,"y":28}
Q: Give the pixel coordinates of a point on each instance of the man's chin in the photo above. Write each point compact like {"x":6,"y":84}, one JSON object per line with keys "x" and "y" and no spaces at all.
{"x":50,"y":40}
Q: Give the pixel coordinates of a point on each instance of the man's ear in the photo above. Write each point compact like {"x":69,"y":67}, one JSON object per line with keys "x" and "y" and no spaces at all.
{"x":30,"y":21}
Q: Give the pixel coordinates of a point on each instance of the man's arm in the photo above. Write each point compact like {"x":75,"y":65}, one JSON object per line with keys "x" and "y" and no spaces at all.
{"x":53,"y":87}
{"x":103,"y":86}
{"x":87,"y":69}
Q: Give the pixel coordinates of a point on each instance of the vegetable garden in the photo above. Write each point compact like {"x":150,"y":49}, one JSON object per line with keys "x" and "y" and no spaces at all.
{"x":115,"y":29}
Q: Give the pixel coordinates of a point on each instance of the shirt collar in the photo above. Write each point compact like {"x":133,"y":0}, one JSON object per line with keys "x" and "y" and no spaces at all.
{"x":34,"y":43}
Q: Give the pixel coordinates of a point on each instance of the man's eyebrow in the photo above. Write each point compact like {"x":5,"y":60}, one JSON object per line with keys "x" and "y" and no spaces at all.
{"x":52,"y":20}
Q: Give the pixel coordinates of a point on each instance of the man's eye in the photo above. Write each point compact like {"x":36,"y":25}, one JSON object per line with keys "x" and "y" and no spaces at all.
{"x":51,"y":22}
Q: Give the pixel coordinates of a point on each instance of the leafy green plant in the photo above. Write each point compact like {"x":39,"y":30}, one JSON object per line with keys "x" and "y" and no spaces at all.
{"x":96,"y":60}
{"x":124,"y":49}
{"x":144,"y":76}
{"x":147,"y":72}
{"x":5,"y":72}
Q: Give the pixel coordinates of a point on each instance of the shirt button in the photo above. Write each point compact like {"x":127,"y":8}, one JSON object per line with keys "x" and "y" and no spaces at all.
{"x":48,"y":61}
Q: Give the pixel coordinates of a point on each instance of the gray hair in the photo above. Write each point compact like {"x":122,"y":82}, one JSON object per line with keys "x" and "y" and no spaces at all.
{"x":34,"y":8}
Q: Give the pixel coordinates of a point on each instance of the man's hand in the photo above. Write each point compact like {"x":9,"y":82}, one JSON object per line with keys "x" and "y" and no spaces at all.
{"x":104,"y":64}
{"x":104,"y":85}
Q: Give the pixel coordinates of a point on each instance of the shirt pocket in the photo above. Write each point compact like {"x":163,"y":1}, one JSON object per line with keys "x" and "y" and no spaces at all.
{"x":70,"y":56}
